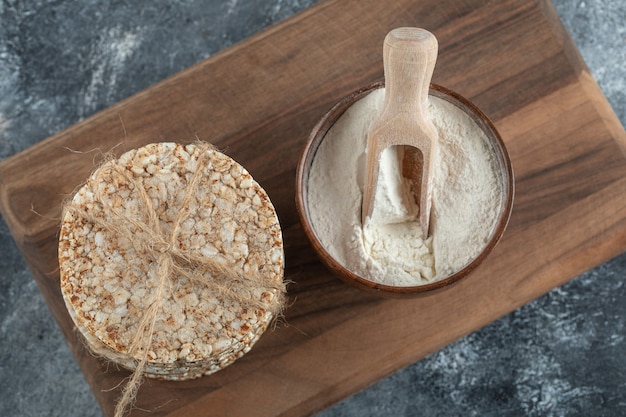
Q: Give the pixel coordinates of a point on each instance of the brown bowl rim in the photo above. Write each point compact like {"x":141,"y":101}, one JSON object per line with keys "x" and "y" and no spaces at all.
{"x":313,"y":142}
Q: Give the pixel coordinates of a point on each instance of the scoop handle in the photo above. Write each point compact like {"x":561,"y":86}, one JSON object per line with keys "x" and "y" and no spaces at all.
{"x":409,"y":56}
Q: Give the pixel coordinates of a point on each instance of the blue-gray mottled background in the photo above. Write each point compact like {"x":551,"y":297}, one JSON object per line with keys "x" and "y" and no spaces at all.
{"x":561,"y":355}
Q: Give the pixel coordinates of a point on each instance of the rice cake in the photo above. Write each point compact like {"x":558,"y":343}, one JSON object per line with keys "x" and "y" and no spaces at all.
{"x":110,"y":259}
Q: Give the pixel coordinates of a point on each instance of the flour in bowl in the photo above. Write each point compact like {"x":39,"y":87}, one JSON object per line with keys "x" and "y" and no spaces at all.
{"x":468,"y":192}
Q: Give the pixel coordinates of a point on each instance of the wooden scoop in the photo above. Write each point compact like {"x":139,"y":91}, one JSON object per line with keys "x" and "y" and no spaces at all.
{"x":409,"y":56}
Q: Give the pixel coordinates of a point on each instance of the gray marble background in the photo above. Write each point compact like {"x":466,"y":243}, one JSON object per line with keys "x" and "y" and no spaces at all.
{"x":561,"y":355}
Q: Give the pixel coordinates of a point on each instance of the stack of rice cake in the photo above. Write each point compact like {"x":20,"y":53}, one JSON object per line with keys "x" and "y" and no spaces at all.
{"x":108,"y":280}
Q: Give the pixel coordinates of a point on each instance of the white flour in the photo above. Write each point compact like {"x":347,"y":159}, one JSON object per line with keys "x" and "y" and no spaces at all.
{"x":467,"y":196}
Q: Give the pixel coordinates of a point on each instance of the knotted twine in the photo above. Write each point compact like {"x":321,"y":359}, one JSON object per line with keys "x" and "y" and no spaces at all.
{"x":162,"y":248}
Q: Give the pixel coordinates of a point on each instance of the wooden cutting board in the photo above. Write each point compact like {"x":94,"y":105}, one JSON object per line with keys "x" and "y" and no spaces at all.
{"x":258,"y":100}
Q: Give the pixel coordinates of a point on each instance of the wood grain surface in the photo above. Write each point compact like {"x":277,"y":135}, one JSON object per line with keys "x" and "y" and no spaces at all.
{"x":258,"y":100}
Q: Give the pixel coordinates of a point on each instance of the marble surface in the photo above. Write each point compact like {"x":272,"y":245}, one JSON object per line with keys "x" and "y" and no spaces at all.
{"x":561,"y":355}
